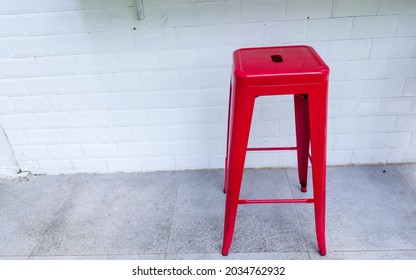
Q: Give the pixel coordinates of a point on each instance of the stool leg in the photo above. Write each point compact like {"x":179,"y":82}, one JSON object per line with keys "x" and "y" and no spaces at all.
{"x":242,"y":105}
{"x":228,"y":136}
{"x":302,"y":138}
{"x":318,"y":119}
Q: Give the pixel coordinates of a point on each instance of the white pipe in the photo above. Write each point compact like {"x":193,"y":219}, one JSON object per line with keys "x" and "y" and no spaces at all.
{"x":140,"y":10}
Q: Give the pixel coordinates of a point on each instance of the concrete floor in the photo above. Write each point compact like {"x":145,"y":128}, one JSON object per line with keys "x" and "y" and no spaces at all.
{"x":179,"y":215}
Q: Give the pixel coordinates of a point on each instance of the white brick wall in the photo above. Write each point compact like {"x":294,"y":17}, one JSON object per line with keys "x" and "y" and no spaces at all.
{"x":86,"y":87}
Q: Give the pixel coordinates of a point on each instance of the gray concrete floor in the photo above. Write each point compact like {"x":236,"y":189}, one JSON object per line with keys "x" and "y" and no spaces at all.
{"x":371,"y":214}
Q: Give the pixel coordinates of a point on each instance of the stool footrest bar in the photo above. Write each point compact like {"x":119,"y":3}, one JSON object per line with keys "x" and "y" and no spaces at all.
{"x":260,"y":201}
{"x":272,"y":149}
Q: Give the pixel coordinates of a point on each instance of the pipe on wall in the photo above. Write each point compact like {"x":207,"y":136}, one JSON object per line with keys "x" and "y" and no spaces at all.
{"x":140,"y":9}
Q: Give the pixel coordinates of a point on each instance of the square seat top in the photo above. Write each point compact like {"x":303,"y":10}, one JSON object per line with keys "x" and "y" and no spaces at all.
{"x":279,"y":65}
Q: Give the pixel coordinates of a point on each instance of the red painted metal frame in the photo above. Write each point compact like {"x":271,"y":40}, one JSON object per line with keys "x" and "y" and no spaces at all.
{"x":295,"y":70}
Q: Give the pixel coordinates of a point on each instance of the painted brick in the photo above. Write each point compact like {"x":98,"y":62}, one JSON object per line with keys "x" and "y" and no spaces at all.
{"x":258,"y":160}
{"x":31,"y":104}
{"x":163,"y":99}
{"x":329,"y":29}
{"x":265,"y":128}
{"x":397,"y":7}
{"x":391,"y":140}
{"x":122,"y":18}
{"x":53,"y":120}
{"x":353,"y":141}
{"x":112,"y":41}
{"x":402,"y":155}
{"x":18,"y":67}
{"x":374,"y":26}
{"x":124,"y":165}
{"x":56,"y":166}
{"x":43,"y":23}
{"x":30,"y":46}
{"x":4,"y":48}
{"x":207,"y":147}
{"x":65,"y":151}
{"x":136,"y":149}
{"x":406,"y":25}
{"x":206,"y":115}
{"x":113,"y":134}
{"x":410,"y":88}
{"x":176,"y":59}
{"x":215,"y":96}
{"x":18,"y":122}
{"x":178,"y":14}
{"x":341,"y":125}
{"x":43,"y":136}
{"x":12,"y":87}
{"x":18,"y":7}
{"x":86,"y":20}
{"x":208,"y":13}
{"x":406,"y":123}
{"x":370,"y":156}
{"x":205,"y":78}
{"x":10,"y":25}
{"x":78,"y":135}
{"x":198,"y":131}
{"x":82,"y":83}
{"x":32,"y":165}
{"x":215,"y":57}
{"x":56,"y":65}
{"x":90,"y":166}
{"x":286,"y":128}
{"x":392,"y":47}
{"x":196,"y":36}
{"x":392,"y":106}
{"x":310,"y":9}
{"x":281,"y":111}
{"x":171,"y":147}
{"x":134,"y":61}
{"x":99,"y":150}
{"x":343,"y":8}
{"x":337,"y":70}
{"x":44,"y":85}
{"x":158,"y":163}
{"x":160,"y":80}
{"x":73,"y":102}
{"x":105,"y":101}
{"x":165,"y":116}
{"x":120,"y":81}
{"x":348,"y":50}
{"x":89,"y":119}
{"x":97,"y":63}
{"x":241,"y":34}
{"x":375,"y":124}
{"x":159,"y":39}
{"x":362,"y":107}
{"x":148,"y":133}
{"x":285,"y":31}
{"x":340,"y":157}
{"x":402,"y":68}
{"x":71,"y":43}
{"x":52,"y":5}
{"x":191,"y":162}
{"x":31,"y":152}
{"x":216,"y":161}
{"x":127,"y":117}
{"x":6,"y":106}
{"x":93,"y":4}
{"x":366,"y":69}
{"x":287,"y":159}
{"x":262,"y":10}
{"x":383,"y":88}
{"x":16,"y":138}
{"x":345,"y":89}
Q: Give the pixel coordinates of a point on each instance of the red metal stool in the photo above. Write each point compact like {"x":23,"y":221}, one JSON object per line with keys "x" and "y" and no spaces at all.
{"x":296,"y":70}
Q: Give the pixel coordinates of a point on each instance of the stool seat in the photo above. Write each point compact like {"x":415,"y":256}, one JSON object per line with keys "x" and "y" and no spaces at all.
{"x":265,"y":71}
{"x":279,"y":65}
